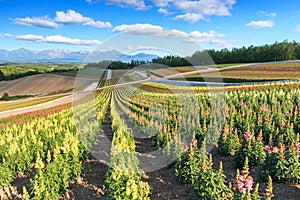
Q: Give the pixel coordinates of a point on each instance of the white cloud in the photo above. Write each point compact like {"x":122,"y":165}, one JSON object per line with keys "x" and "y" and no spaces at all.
{"x":4,"y":35}
{"x":298,"y":28}
{"x":30,"y":37}
{"x":221,"y":43}
{"x":263,"y":13}
{"x":149,"y":29}
{"x":261,"y":24}
{"x":200,"y":10}
{"x":137,"y":4}
{"x":145,"y":29}
{"x":189,"y":17}
{"x":186,"y":10}
{"x":57,"y":39}
{"x":164,"y":11}
{"x":66,"y":40}
{"x":98,"y":24}
{"x":70,"y":17}
{"x":161,"y":3}
{"x":175,"y":33}
{"x":211,"y":36}
{"x":271,"y":15}
{"x":206,"y":35}
{"x":36,"y":21}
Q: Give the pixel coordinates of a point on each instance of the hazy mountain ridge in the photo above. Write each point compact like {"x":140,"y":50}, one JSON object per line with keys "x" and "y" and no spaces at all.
{"x":62,"y":55}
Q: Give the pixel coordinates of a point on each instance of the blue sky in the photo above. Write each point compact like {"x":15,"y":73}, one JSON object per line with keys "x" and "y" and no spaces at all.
{"x":86,"y":24}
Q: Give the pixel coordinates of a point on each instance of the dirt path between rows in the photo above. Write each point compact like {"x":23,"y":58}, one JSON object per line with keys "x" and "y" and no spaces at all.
{"x":91,"y":184}
{"x":159,"y":172}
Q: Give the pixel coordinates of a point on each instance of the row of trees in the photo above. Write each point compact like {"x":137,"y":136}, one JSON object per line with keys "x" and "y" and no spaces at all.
{"x":267,"y":53}
{"x":106,"y":64}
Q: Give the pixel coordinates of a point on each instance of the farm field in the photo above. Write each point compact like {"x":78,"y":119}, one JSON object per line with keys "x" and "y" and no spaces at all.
{"x":21,"y":104}
{"x":254,"y":73}
{"x":108,"y":147}
{"x":17,"y":70}
{"x":42,"y":84}
{"x":149,"y":100}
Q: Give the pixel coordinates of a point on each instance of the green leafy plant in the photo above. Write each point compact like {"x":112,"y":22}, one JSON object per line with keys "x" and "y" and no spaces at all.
{"x":187,"y":166}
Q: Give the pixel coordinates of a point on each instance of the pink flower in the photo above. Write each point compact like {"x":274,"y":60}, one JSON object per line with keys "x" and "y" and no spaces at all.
{"x":185,"y":147}
{"x":268,"y":149}
{"x":194,"y":142}
{"x":282,"y":124}
{"x":248,"y":135}
{"x":263,"y":108}
{"x":244,"y":183}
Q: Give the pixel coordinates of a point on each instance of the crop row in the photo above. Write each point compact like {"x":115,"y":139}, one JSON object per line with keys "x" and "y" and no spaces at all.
{"x":51,"y":147}
{"x":124,"y":176}
{"x":257,"y":127}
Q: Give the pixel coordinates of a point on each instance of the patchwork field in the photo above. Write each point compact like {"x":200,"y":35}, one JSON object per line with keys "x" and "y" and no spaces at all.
{"x":42,"y":84}
{"x":261,"y":72}
{"x":157,"y":141}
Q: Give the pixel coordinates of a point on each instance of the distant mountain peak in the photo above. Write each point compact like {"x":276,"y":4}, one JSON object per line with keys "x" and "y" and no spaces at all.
{"x":63,"y":55}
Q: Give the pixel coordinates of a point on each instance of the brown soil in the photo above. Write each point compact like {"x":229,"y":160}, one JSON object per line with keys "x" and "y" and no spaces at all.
{"x":163,"y":183}
{"x":41,"y":84}
{"x":15,"y":190}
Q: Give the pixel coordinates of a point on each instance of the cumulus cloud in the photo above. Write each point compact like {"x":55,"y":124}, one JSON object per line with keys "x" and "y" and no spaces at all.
{"x":137,"y":4}
{"x":146,"y":29}
{"x":221,"y":43}
{"x":66,"y":40}
{"x":211,"y":36}
{"x":30,"y":37}
{"x":261,"y":24}
{"x":164,"y":11}
{"x":200,"y":10}
{"x":186,"y":10}
{"x":36,"y":21}
{"x":161,"y":3}
{"x":67,"y":18}
{"x":189,"y":17}
{"x":56,"y":39}
{"x":70,"y":17}
{"x":98,"y":24}
{"x":4,"y":35}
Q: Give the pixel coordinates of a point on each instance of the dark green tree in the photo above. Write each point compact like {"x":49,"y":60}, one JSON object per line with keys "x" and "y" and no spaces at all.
{"x":1,"y":76}
{"x":5,"y":96}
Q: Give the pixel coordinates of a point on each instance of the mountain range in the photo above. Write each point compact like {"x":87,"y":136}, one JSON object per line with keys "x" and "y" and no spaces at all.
{"x":62,"y":55}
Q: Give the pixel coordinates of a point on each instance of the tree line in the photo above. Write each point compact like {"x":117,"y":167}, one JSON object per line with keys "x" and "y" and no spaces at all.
{"x":281,"y":51}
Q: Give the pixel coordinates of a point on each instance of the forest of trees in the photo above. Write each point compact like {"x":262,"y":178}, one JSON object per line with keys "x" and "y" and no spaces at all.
{"x":106,"y":64}
{"x":172,"y":61}
{"x":267,"y":53}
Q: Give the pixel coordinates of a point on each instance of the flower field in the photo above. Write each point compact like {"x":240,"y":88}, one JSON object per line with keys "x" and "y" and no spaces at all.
{"x":260,"y":72}
{"x":255,"y":127}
